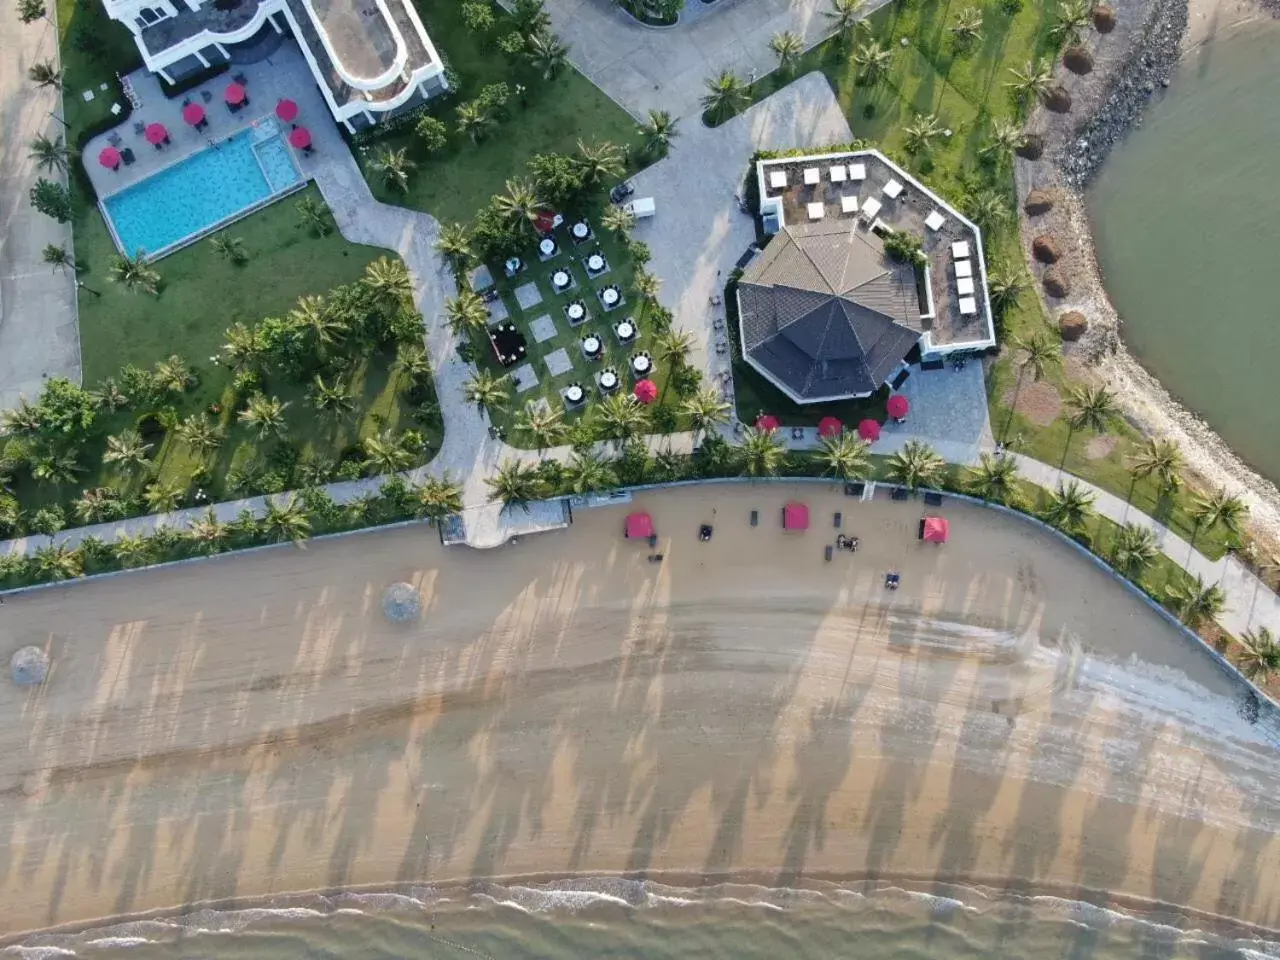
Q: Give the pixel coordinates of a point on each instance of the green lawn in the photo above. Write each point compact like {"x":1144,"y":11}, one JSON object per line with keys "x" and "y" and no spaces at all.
{"x":552,"y":118}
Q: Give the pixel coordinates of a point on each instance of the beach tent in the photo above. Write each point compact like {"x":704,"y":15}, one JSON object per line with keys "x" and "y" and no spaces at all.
{"x":933,"y":529}
{"x":869,"y":430}
{"x":767,"y":423}
{"x":830,"y":427}
{"x":639,"y":526}
{"x":898,"y":406}
{"x":795,"y":516}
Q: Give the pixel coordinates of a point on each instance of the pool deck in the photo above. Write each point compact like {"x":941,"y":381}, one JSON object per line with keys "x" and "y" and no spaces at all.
{"x":284,"y":74}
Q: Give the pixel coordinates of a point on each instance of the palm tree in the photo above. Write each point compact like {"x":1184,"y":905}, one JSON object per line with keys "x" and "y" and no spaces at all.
{"x":455,"y":246}
{"x":44,"y":73}
{"x":1092,"y":408}
{"x":706,"y":410}
{"x":1005,"y":287}
{"x":587,"y":473}
{"x":200,"y":433}
{"x":323,"y":324}
{"x":1219,"y":507}
{"x":486,"y":390}
{"x":174,"y":375}
{"x":265,"y":414}
{"x":315,"y":216}
{"x":50,"y":154}
{"x":1068,"y":507}
{"x":59,"y":562}
{"x":530,"y":16}
{"x":763,"y":453}
{"x":132,"y":550}
{"x":57,"y":256}
{"x":787,"y":46}
{"x":622,"y":415}
{"x":208,"y":533}
{"x":516,"y":484}
{"x":546,"y":54}
{"x":336,"y":398}
{"x":414,"y":361}
{"x":1195,"y":602}
{"x":388,"y":281}
{"x":844,"y":456}
{"x":916,"y":465}
{"x":618,"y":220}
{"x":520,"y":204}
{"x":134,"y":273}
{"x":1039,"y":354}
{"x":162,"y":497}
{"x":1073,"y":17}
{"x":128,"y":450}
{"x":244,"y":348}
{"x":1005,"y":138}
{"x":49,"y":465}
{"x":646,"y":284}
{"x":598,"y":162}
{"x":1135,"y":550}
{"x":543,"y":423}
{"x":230,"y":248}
{"x":395,"y":167}
{"x":725,"y":96}
{"x":286,"y":519}
{"x":1033,"y":80}
{"x":475,"y":119}
{"x":988,"y":209}
{"x":921,"y":133}
{"x":1160,"y":459}
{"x":994,"y":478}
{"x":968,"y":27}
{"x":386,"y":453}
{"x":873,"y":61}
{"x":466,"y":312}
{"x":672,"y":346}
{"x":98,"y":505}
{"x":845,"y":17}
{"x":439,"y":497}
{"x":1260,"y":656}
{"x":658,"y":130}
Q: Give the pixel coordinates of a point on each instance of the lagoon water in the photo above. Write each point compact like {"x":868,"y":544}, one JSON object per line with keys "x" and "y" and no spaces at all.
{"x":1186,"y":217}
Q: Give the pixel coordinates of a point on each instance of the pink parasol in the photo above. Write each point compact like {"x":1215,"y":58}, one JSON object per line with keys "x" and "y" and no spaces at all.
{"x":156,"y":133}
{"x":193,"y":113}
{"x":300,"y":137}
{"x":897,"y":406}
{"x":869,"y":430}
{"x":109,"y":157}
{"x":830,"y":427}
{"x":646,"y":391}
{"x":767,"y":422}
{"x":234,"y":93}
{"x":287,"y":110}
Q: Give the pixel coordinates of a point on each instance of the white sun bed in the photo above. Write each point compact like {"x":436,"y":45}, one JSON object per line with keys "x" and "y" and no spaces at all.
{"x":837,"y":173}
{"x":870,"y":207}
{"x":848,"y":204}
{"x":857,"y":171}
{"x":777,"y":179}
{"x":934,"y":221}
{"x":817,"y":210}
{"x":964,"y":286}
{"x":811,"y":176}
{"x":968,"y":306}
{"x":960,"y":250}
{"x":892,"y":189}
{"x":964,"y":268}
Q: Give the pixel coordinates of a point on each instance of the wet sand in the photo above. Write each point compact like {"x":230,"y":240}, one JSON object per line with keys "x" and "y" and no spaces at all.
{"x":252,"y":726}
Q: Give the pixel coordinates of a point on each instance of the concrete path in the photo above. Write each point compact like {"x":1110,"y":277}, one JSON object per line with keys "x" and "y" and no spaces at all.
{"x":39,"y":335}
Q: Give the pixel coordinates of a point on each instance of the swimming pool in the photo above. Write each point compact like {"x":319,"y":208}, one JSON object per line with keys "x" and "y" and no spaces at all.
{"x":197,"y":194}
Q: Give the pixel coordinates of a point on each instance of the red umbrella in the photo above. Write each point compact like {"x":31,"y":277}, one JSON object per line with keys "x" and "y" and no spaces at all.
{"x":109,"y":157}
{"x":795,"y":516}
{"x":300,"y":137}
{"x":934,"y":529}
{"x":898,"y":406}
{"x":646,"y":391}
{"x":193,"y":113}
{"x":156,"y":133}
{"x":830,"y":427}
{"x":287,"y":111}
{"x":767,"y":422}
{"x":869,"y":430}
{"x":234,"y":93}
{"x":639,"y":526}
{"x":544,"y":222}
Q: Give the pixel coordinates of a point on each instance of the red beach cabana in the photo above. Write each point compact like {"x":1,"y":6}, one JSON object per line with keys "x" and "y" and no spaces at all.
{"x":193,"y":114}
{"x":898,"y":406}
{"x":287,"y":110}
{"x":934,"y":529}
{"x":109,"y":158}
{"x":300,"y":138}
{"x":235,"y":94}
{"x":795,"y":516}
{"x":869,"y":430}
{"x":767,"y":423}
{"x":646,"y":391}
{"x":639,"y":526}
{"x":156,"y":134}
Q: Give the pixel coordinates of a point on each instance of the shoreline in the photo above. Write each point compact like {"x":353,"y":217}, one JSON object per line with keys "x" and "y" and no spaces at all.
{"x":1171,"y":31}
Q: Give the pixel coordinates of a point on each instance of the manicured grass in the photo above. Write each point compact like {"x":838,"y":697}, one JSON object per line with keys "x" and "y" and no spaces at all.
{"x":551,"y":118}
{"x":94,"y":48}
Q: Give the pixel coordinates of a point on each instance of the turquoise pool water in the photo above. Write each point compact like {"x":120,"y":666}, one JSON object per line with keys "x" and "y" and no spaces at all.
{"x":202,"y":191}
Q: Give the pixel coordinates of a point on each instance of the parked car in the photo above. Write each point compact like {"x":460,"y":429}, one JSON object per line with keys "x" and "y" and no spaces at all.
{"x":643,"y":207}
{"x":621,"y":191}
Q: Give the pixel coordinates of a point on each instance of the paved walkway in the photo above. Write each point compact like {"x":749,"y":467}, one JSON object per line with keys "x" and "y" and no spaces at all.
{"x":39,"y":336}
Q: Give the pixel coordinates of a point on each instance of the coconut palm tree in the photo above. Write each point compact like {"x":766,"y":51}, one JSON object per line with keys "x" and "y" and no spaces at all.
{"x":230,"y":248}
{"x":244,"y":348}
{"x":646,"y":284}
{"x":598,"y":162}
{"x":386,"y":453}
{"x":622,"y":416}
{"x":486,"y":390}
{"x":994,"y":478}
{"x":587,"y":473}
{"x":413,"y":361}
{"x":1033,"y":80}
{"x":922,"y":132}
{"x":98,"y":505}
{"x":286,"y":519}
{"x":1005,"y":287}
{"x":336,"y":399}
{"x":134,"y":273}
{"x":1092,"y":408}
{"x":546,"y":54}
{"x":1039,"y":355}
{"x":1259,"y":659}
{"x":658,"y":130}
{"x":1160,"y":459}
{"x":161,"y":497}
{"x":174,"y":375}
{"x":132,"y":550}
{"x":388,"y":281}
{"x":316,"y":317}
{"x":466,"y":312}
{"x":520,"y":204}
{"x":57,"y":257}
{"x":59,"y":562}
{"x":45,"y":73}
{"x":515,"y":484}
{"x":967,"y":30}
{"x":672,"y":346}
{"x":200,"y":433}
{"x":314,"y":215}
{"x":1134,"y":551}
{"x":128,"y":450}
{"x":50,"y":465}
{"x":844,"y":457}
{"x":264,"y":414}
{"x":916,"y":465}
{"x":455,"y":246}
{"x":50,"y":153}
{"x":762,"y":451}
{"x":1068,"y":507}
{"x":725,"y":96}
{"x":873,"y":61}
{"x":846,"y":17}
{"x":1004,"y":139}
{"x":1074,"y":16}
{"x":542,"y":423}
{"x":705,"y":410}
{"x":1218,"y":508}
{"x":618,"y":220}
{"x":787,"y":46}
{"x":1195,"y":602}
{"x":475,"y":119}
{"x":439,"y":497}
{"x":208,"y":533}
{"x":395,"y":167}
{"x":988,"y":209}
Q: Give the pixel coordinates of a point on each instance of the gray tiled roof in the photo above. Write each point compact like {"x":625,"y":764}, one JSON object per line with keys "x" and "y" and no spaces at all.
{"x":826,"y":312}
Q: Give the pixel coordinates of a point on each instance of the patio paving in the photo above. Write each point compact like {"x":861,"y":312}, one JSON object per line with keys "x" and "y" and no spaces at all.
{"x":948,"y":411}
{"x":558,"y":362}
{"x":543,"y":328}
{"x":524,"y":377}
{"x":528,"y":295}
{"x":498,"y":311}
{"x":480,"y":278}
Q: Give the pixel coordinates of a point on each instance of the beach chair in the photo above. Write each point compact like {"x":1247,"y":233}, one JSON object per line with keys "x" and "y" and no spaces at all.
{"x":901,"y":493}
{"x":933,"y":498}
{"x":827,"y":553}
{"x":854,"y":489}
{"x":755,"y":518}
{"x":837,"y":518}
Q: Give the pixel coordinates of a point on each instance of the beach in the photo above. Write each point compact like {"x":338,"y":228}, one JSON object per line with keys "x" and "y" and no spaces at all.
{"x":250,"y":726}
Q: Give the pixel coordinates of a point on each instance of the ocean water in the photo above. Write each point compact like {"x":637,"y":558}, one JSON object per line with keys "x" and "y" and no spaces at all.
{"x":614,"y":918}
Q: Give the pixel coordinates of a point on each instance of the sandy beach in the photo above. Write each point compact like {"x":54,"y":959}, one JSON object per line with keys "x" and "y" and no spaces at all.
{"x":252,"y":725}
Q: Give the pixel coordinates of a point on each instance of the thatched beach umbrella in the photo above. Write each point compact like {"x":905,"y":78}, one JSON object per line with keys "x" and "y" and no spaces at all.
{"x":29,"y":666}
{"x":1055,"y":282}
{"x":1032,"y":147}
{"x":401,"y":603}
{"x":1104,"y":18}
{"x":1078,"y":59}
{"x":1038,"y":202}
{"x":1045,"y":249}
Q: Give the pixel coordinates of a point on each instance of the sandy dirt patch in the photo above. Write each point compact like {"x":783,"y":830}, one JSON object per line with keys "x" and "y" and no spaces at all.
{"x":1037,"y":400}
{"x":1100,"y":447}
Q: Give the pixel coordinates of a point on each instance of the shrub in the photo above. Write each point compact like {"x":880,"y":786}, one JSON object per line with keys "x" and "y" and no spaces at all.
{"x":432,"y":132}
{"x":477,"y":16}
{"x":52,"y":199}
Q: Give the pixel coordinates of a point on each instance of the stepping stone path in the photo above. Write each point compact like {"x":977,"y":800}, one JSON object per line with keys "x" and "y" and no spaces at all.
{"x":558,"y":362}
{"x":543,"y":329}
{"x":528,"y":295}
{"x":524,"y":377}
{"x":498,"y":311}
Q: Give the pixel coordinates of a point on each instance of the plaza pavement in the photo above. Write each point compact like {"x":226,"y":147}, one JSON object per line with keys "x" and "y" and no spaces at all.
{"x":39,"y":336}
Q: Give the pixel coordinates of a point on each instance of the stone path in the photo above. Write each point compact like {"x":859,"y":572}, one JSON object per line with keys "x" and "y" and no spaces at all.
{"x":39,"y":336}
